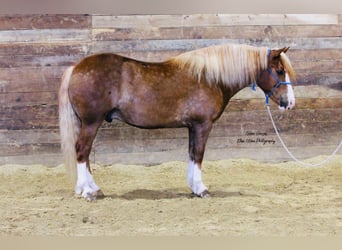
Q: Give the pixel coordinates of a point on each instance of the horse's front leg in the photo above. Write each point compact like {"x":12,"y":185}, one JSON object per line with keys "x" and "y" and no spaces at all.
{"x":198,"y":136}
{"x":85,"y":185}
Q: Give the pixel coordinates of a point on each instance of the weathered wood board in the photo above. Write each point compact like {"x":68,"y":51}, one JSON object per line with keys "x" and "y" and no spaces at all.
{"x":36,"y":49}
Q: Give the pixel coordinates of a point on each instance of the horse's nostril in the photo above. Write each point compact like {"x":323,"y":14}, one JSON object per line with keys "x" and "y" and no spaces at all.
{"x":283,"y":104}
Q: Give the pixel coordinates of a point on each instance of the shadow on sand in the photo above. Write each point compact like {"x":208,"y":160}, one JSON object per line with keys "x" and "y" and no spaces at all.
{"x":170,"y":194}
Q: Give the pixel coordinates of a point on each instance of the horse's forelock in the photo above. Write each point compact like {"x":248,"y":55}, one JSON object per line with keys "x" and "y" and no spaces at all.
{"x":288,"y":67}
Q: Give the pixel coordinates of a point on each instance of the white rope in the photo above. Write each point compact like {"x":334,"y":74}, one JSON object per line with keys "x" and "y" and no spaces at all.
{"x":329,"y":158}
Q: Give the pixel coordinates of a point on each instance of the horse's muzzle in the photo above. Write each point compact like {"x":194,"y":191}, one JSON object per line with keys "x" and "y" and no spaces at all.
{"x":286,"y":104}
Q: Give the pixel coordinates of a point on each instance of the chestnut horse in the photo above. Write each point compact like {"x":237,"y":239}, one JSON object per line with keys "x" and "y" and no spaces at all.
{"x":190,"y":90}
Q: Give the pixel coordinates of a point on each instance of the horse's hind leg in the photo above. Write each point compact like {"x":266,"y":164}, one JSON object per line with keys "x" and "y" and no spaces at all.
{"x":85,"y":186}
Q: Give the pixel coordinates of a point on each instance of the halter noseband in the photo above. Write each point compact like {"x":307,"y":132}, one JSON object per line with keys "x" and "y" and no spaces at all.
{"x":279,"y":83}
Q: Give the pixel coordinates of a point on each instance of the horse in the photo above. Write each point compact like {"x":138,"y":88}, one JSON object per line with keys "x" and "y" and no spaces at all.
{"x":189,"y":90}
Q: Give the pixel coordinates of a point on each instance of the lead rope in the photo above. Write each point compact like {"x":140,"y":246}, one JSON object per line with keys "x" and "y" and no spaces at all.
{"x":329,"y":158}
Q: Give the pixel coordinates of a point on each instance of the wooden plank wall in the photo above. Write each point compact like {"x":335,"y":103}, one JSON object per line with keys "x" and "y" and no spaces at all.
{"x":35,"y":49}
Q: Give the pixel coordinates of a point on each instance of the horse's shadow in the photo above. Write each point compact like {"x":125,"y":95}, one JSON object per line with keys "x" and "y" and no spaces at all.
{"x":147,"y":194}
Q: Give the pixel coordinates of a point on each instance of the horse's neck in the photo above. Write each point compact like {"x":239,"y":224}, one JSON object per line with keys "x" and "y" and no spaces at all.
{"x":233,"y":89}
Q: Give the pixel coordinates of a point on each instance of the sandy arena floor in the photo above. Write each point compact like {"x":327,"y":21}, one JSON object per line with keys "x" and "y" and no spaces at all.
{"x":247,"y":198}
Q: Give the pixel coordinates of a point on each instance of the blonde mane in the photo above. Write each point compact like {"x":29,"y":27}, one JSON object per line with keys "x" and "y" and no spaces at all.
{"x":229,"y":64}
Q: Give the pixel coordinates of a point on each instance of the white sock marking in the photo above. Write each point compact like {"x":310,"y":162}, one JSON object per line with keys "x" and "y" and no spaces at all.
{"x":190,"y":174}
{"x":194,"y":178}
{"x":91,"y":182}
{"x":85,"y":185}
{"x":81,"y":177}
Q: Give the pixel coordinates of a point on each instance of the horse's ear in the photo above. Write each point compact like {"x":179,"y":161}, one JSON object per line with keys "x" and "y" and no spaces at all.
{"x":275,"y":54}
{"x":285,"y":49}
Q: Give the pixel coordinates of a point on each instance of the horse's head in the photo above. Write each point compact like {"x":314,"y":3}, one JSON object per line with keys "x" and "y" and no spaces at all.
{"x":275,"y":81}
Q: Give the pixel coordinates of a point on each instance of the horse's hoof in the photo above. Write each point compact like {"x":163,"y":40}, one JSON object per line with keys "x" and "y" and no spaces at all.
{"x":90,"y":196}
{"x":204,"y":194}
{"x":99,"y":194}
{"x":95,"y":195}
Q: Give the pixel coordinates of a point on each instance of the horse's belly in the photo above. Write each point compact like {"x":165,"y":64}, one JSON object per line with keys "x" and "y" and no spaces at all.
{"x":140,"y":114}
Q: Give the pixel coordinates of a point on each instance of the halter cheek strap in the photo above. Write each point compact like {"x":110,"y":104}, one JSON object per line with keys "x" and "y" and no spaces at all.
{"x":279,"y":83}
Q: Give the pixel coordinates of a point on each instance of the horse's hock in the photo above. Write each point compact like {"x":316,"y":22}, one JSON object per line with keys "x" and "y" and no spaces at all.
{"x":32,"y":62}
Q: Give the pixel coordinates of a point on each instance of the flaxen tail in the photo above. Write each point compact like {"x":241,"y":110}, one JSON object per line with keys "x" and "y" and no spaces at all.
{"x":69,"y":125}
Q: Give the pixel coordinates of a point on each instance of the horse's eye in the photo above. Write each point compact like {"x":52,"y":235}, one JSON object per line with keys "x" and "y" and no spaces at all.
{"x":280,"y":72}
